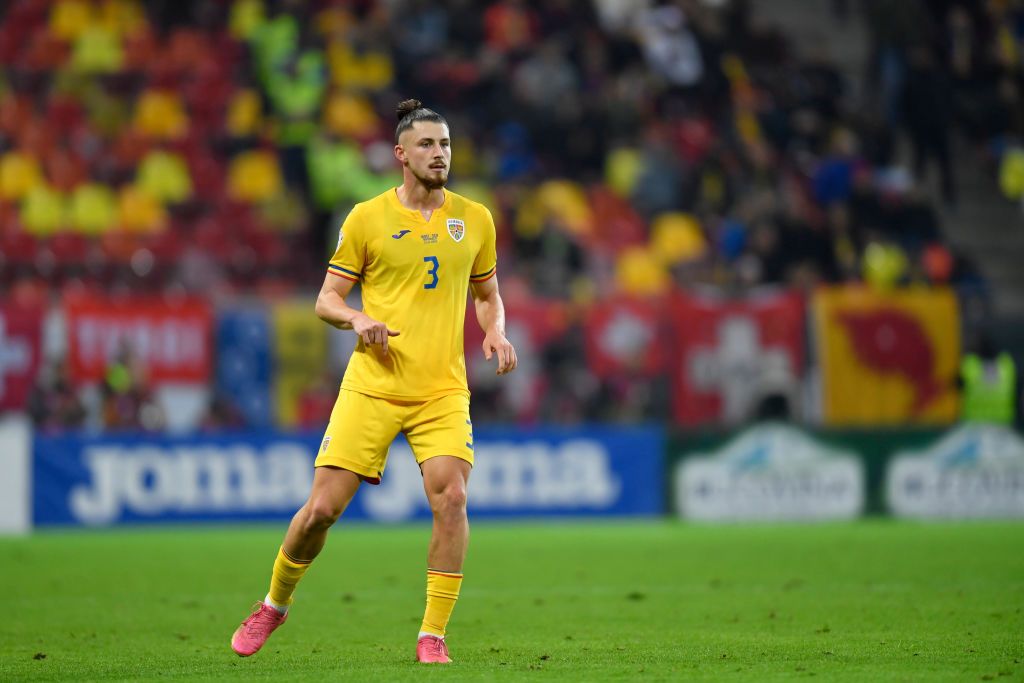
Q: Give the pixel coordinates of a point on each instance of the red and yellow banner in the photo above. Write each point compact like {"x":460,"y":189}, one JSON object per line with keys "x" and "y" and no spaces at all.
{"x":887,"y":358}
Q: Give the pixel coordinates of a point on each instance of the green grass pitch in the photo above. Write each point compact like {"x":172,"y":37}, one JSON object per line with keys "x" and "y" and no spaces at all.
{"x":868,"y":601}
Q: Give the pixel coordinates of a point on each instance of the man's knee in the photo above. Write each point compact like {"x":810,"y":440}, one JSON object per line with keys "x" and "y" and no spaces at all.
{"x":321,"y":514}
{"x":450,"y":501}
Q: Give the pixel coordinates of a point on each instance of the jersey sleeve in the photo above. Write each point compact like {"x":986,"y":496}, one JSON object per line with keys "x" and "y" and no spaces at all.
{"x":350,"y":256}
{"x":486,"y":264}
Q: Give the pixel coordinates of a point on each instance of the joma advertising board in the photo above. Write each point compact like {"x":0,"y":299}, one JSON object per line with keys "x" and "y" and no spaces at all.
{"x":100,"y":481}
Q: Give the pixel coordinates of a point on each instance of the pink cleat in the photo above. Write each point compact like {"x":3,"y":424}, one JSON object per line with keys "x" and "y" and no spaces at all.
{"x":254,"y":631}
{"x":432,"y":650}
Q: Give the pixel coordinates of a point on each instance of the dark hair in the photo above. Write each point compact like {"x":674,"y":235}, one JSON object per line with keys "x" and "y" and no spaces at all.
{"x":411,"y":111}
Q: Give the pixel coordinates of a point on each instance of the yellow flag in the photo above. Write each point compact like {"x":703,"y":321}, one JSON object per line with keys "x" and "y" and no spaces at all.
{"x":887,"y":357}
{"x":300,"y":356}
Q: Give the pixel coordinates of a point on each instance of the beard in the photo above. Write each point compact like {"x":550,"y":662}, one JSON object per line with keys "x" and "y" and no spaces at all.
{"x":434,"y":181}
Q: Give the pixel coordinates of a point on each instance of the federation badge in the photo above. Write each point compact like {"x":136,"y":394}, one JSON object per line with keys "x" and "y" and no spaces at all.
{"x":457,"y":229}
{"x":325,"y":444}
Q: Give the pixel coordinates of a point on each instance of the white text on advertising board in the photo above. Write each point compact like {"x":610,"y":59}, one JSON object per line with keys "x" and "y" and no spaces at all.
{"x":770,"y":472}
{"x":171,"y":343}
{"x":531,"y":476}
{"x":975,"y":471}
{"x":152,"y":480}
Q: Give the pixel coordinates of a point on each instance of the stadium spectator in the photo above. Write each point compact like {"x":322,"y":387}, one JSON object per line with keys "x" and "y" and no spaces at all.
{"x":296,"y":88}
{"x":222,"y":414}
{"x":927,"y":113}
{"x":989,"y":383}
{"x":127,"y":400}
{"x":54,"y":404}
{"x":510,"y":26}
{"x":893,"y":29}
{"x":671,"y":49}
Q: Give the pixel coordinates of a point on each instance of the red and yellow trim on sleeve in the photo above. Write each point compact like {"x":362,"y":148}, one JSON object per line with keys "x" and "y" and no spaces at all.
{"x":486,"y":275}
{"x":343,"y":272}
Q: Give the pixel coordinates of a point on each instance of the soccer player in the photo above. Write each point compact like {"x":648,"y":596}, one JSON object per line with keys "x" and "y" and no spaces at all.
{"x":416,"y":249}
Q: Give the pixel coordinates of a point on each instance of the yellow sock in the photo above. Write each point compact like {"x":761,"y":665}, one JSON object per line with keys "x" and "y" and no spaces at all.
{"x":442,"y":592}
{"x":287,"y":572}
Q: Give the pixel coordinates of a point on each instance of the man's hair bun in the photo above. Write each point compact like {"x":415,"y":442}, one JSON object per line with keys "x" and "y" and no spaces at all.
{"x":410,"y":111}
{"x":407,"y":107}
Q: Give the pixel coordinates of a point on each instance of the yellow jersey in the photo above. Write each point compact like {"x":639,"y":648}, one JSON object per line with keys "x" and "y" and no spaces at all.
{"x":415,"y":276}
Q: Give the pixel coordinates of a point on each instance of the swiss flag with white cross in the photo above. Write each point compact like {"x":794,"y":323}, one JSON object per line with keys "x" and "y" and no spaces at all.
{"x":730,"y":352}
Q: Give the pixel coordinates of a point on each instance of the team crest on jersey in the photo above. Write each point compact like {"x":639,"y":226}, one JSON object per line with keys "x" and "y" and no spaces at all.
{"x":325,"y":444}
{"x":457,"y":229}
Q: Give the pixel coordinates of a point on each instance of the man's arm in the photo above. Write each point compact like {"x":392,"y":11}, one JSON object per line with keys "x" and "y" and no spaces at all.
{"x":332,"y":309}
{"x":490,"y":313}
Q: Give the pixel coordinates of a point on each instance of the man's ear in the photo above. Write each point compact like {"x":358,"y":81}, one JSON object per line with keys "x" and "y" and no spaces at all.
{"x":400,"y":153}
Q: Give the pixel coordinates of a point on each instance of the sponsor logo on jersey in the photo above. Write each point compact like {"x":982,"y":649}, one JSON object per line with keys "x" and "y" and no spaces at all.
{"x":457,"y":229}
{"x":325,"y":444}
{"x":429,"y":239}
{"x":401,"y":234}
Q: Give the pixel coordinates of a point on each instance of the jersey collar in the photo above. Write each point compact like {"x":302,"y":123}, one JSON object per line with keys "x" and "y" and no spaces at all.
{"x":397,"y":203}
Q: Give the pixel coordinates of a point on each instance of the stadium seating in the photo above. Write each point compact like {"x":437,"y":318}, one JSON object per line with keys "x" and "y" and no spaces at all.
{"x":192,"y":114}
{"x":612,"y":164}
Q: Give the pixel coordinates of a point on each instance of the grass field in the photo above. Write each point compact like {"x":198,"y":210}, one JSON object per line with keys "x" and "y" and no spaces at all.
{"x":871,"y":601}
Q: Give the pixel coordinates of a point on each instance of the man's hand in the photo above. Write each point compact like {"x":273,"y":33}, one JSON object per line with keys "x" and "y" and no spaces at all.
{"x":495,"y":343}
{"x":372,"y":332}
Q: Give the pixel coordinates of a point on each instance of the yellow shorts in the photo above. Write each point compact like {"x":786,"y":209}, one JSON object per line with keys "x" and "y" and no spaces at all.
{"x":362,"y":428}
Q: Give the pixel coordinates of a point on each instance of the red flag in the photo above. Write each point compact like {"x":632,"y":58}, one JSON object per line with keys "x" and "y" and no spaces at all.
{"x":21,"y":332}
{"x":626,"y":335}
{"x":734,"y":352}
{"x":530,"y":325}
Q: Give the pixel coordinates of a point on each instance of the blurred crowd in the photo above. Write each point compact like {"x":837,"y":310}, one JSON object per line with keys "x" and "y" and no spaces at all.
{"x":939,"y":66}
{"x":624,"y":146}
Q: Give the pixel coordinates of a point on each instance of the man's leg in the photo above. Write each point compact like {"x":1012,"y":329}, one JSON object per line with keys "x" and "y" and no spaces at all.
{"x":444,"y":480}
{"x":333,"y":489}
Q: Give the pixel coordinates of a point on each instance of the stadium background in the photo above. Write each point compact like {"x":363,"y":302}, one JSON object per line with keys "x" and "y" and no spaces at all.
{"x":710,"y":214}
{"x":744,"y":246}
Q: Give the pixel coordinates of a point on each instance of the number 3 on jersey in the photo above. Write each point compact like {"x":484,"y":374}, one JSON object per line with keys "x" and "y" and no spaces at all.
{"x":432,"y":272}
